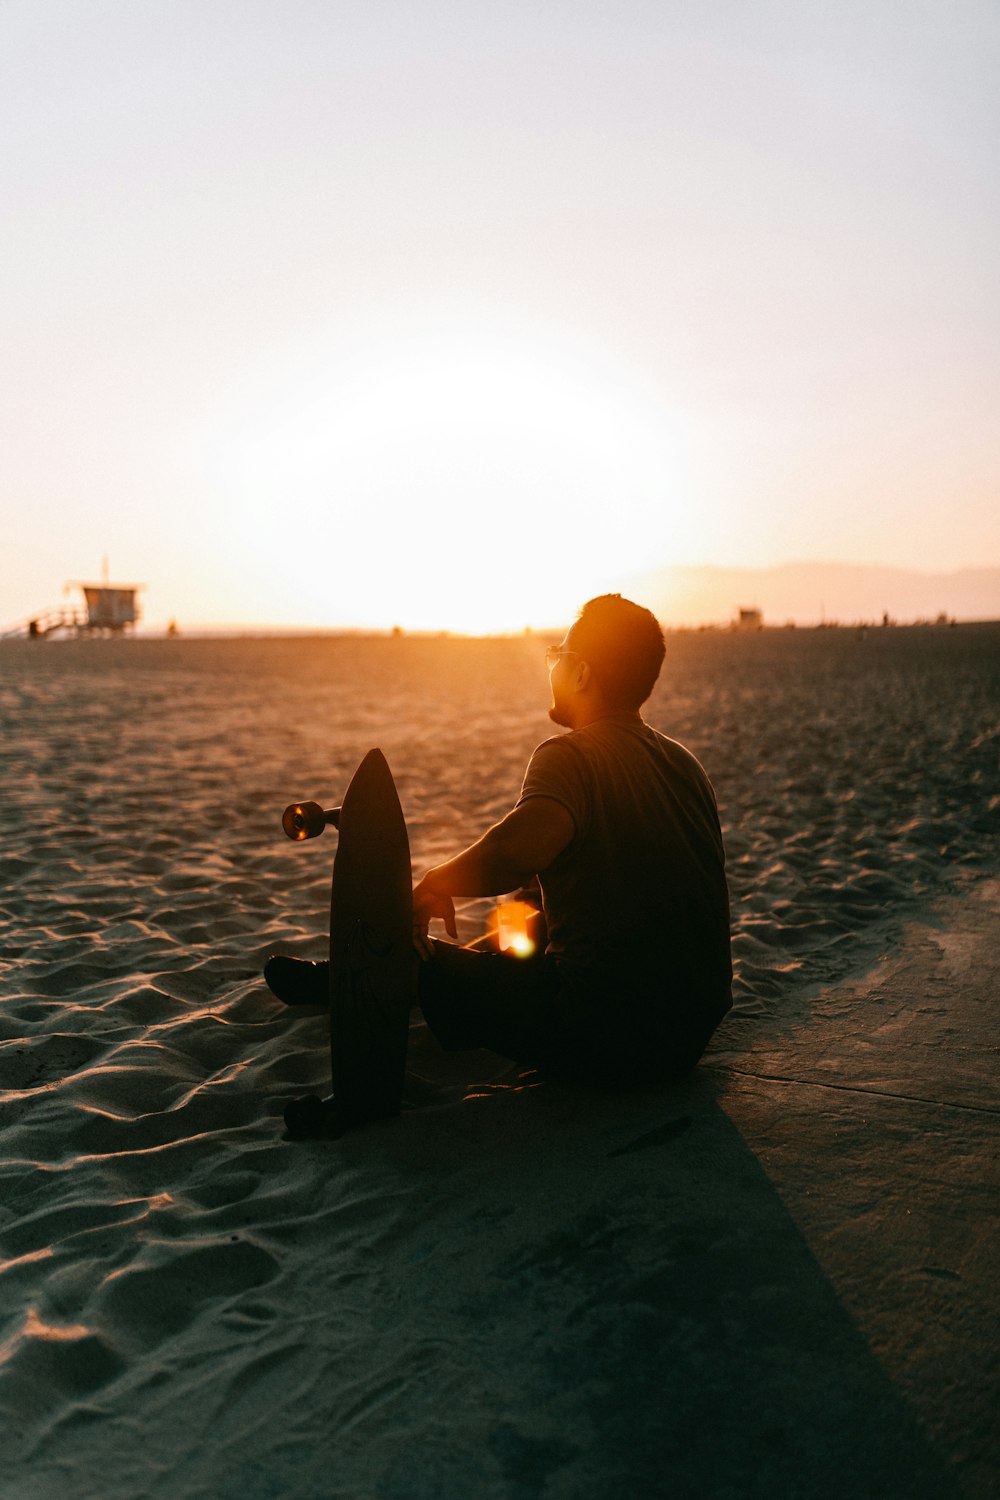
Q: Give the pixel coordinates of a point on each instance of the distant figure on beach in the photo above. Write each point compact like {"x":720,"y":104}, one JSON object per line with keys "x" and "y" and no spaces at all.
{"x":618,"y":824}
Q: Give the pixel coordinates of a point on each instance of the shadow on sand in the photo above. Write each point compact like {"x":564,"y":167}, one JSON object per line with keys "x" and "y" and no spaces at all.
{"x":633,"y":1311}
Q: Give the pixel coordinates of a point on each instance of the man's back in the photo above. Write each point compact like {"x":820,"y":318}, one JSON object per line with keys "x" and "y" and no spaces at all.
{"x":636,"y":904}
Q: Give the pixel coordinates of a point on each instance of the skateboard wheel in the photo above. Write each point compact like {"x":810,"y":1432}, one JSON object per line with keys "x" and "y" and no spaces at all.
{"x":312,"y":1118}
{"x":305,"y":1117}
{"x":303,"y":820}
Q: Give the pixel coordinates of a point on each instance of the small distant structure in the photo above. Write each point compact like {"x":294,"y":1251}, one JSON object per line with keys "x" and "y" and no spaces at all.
{"x":109,"y":609}
{"x":750,"y":619}
{"x":112,"y":609}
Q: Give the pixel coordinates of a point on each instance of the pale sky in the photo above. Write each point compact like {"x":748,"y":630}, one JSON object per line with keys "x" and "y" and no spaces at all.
{"x":447,"y":314}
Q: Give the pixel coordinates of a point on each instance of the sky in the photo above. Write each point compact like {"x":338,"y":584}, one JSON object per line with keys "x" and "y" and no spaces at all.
{"x":449,"y":315}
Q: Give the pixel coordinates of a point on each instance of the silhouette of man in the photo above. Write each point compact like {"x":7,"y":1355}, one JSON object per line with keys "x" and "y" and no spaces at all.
{"x":619,"y":825}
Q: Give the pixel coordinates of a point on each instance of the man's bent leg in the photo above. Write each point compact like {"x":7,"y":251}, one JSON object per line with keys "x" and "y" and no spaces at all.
{"x":493,"y":1000}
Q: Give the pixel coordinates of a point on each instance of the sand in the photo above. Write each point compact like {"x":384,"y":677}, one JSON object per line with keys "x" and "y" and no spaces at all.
{"x":774,"y":1279}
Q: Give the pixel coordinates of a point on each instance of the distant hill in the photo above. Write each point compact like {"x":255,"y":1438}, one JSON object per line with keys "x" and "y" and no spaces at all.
{"x":809,"y":593}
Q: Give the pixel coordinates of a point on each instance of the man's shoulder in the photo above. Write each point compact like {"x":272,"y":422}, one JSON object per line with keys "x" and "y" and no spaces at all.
{"x":632,"y":732}
{"x":617,"y":737}
{"x":558,"y":750}
{"x":681,"y":756}
{"x":644,"y":745}
{"x":557,"y":770}
{"x":559,"y":746}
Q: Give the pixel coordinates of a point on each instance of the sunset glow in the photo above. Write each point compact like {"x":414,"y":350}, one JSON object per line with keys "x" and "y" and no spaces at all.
{"x":448,"y":317}
{"x":449,"y":482}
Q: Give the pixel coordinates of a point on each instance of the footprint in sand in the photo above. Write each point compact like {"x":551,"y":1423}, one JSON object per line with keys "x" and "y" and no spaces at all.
{"x":166,"y":1291}
{"x":48,"y":1365}
{"x":29,"y":1064}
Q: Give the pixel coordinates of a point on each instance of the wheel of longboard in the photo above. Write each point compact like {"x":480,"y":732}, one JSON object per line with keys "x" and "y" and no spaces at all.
{"x":301,"y":1116}
{"x":312,"y":1118}
{"x":306,"y":820}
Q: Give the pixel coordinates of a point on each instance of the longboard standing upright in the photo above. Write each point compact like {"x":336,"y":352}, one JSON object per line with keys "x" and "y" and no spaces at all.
{"x":372,"y":961}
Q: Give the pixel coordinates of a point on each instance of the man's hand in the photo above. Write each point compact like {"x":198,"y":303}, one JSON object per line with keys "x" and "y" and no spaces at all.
{"x":508,"y":855}
{"x":428,"y":904}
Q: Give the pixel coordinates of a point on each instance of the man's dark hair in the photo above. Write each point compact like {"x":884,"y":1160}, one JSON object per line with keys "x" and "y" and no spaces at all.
{"x":623,"y":644}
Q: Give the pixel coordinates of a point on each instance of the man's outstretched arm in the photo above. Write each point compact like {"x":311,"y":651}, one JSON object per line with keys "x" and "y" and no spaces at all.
{"x":508,"y":855}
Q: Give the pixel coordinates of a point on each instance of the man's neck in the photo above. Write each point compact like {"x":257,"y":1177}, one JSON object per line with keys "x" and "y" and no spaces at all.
{"x":593,"y":713}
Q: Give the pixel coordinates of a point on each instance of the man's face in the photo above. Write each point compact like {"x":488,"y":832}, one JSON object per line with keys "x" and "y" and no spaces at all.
{"x":561,"y":674}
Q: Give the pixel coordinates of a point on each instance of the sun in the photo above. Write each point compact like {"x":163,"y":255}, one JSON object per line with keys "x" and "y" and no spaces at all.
{"x":454,"y":482}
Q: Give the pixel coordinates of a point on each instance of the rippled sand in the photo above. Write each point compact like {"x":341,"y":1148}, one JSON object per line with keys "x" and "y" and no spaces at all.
{"x":179,"y":1280}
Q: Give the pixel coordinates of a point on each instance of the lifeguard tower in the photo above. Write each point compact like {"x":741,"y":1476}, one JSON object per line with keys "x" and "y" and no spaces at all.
{"x":750,"y":619}
{"x":108,"y":609}
{"x":112,"y":608}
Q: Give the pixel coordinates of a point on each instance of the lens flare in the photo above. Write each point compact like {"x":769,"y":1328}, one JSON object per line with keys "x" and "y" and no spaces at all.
{"x":512,"y":928}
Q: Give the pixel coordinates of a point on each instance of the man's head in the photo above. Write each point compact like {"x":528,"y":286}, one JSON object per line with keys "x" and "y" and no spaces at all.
{"x":609,"y":662}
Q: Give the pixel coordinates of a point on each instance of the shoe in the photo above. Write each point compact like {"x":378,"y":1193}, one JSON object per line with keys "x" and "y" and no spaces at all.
{"x":296,"y":981}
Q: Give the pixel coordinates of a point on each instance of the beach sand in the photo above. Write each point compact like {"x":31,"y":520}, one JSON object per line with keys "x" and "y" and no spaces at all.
{"x":773,"y":1279}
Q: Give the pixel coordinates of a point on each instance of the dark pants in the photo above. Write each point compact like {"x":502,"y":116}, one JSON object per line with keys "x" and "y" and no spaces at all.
{"x":523,"y":1009}
{"x":472,"y":999}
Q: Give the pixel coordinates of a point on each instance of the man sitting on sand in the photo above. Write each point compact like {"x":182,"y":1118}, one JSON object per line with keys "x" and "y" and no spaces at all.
{"x":620,"y":826}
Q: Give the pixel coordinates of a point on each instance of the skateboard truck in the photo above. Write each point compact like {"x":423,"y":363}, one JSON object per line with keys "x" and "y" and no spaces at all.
{"x":306,"y":820}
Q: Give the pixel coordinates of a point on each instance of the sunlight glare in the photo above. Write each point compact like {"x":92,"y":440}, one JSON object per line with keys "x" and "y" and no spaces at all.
{"x":512,"y":928}
{"x":455,"y":484}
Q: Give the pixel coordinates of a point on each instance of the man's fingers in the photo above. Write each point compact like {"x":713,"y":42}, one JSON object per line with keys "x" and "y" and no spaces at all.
{"x":427,"y":908}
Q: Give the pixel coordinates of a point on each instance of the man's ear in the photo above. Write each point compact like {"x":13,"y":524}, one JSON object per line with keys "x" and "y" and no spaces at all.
{"x":581,"y":680}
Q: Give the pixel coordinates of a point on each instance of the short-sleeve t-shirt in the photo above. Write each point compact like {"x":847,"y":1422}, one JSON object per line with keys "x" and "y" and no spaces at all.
{"x":636,"y":905}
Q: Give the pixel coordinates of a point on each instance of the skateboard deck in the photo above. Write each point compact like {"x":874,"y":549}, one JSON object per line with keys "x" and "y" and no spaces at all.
{"x":372,"y":960}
